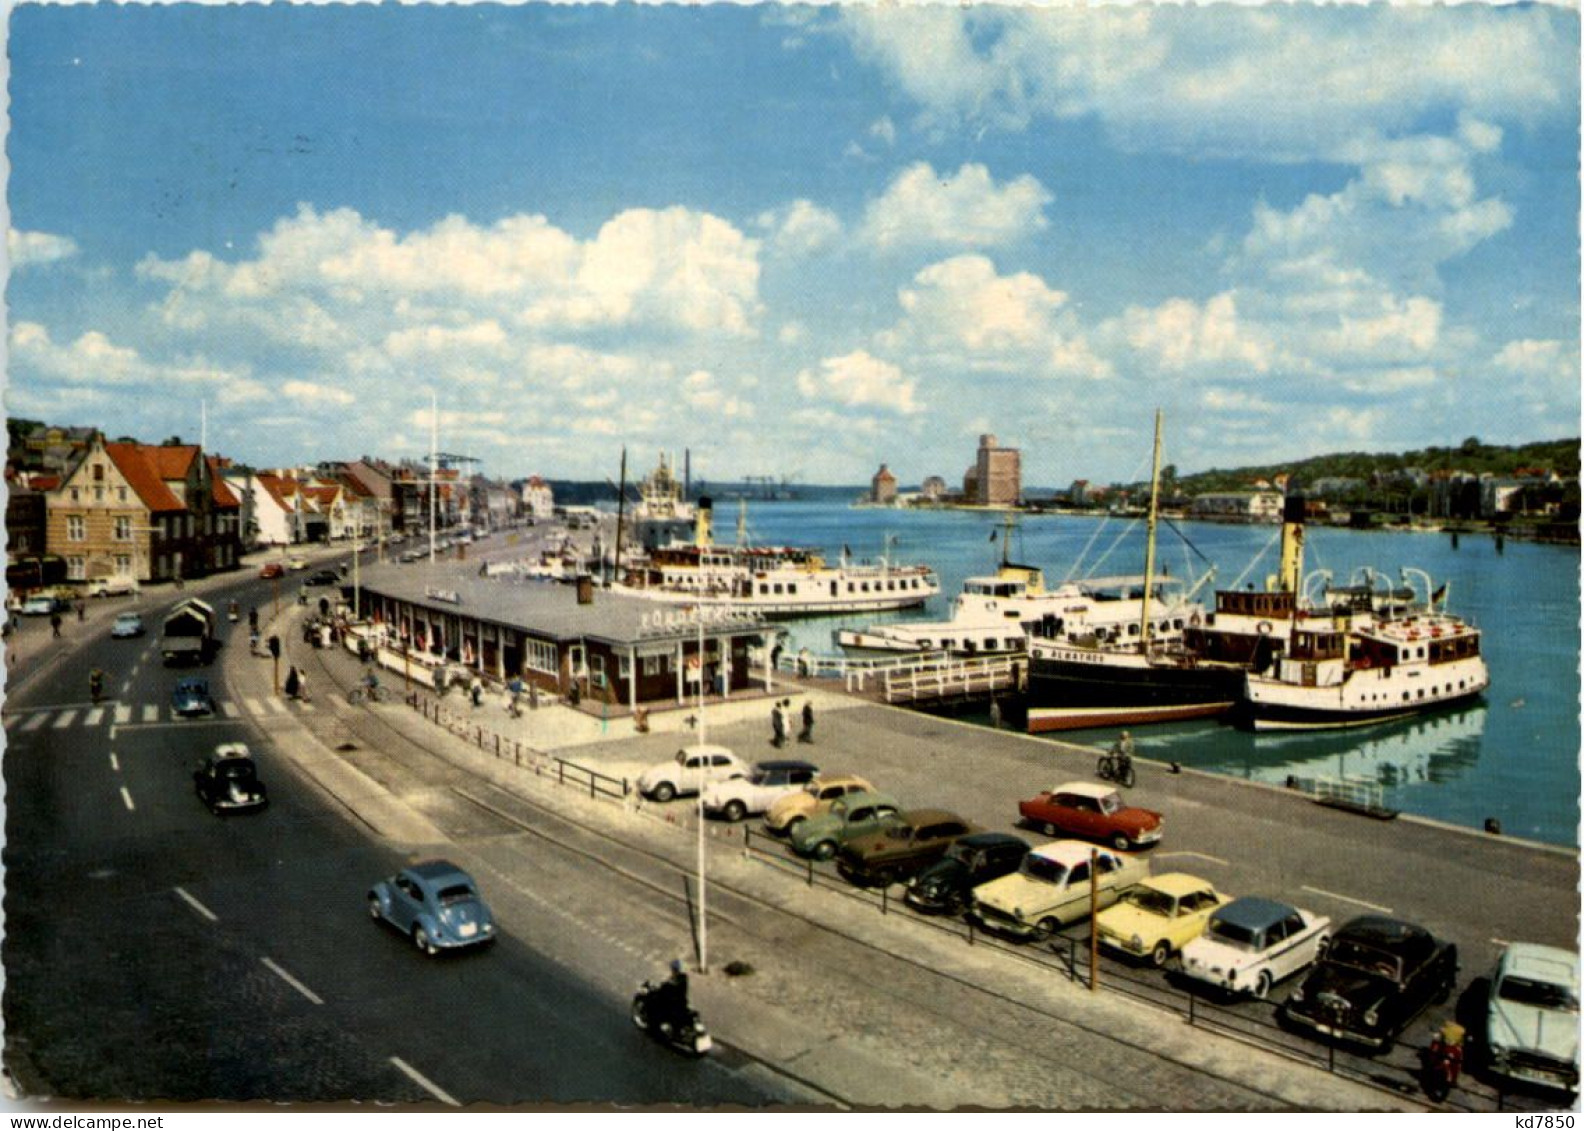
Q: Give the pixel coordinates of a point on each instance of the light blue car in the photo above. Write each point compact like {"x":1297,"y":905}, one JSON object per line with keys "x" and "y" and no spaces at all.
{"x":436,"y":904}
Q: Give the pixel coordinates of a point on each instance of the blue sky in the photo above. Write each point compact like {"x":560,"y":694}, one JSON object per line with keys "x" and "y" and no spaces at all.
{"x":799,"y":241}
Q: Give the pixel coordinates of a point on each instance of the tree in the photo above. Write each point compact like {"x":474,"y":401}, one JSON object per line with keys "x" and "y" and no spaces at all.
{"x":1470,"y":446}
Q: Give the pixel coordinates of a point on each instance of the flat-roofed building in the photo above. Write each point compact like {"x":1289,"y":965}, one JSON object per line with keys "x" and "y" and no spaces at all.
{"x":998,"y":474}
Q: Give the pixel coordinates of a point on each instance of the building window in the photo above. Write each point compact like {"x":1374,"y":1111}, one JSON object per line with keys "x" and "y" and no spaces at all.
{"x":655,"y":665}
{"x":98,"y":472}
{"x":121,"y":494}
{"x":123,"y":565}
{"x":76,"y":528}
{"x":623,"y":666}
{"x":123,"y":529}
{"x":76,"y":569}
{"x":539,"y":656}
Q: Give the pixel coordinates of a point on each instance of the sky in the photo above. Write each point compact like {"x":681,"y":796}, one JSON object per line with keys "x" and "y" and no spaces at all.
{"x":796,"y":241}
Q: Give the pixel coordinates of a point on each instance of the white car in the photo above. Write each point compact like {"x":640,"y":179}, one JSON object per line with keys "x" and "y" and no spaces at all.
{"x":688,"y":772}
{"x":735,"y":798}
{"x":1252,"y":943}
{"x":1532,"y":1019}
{"x":119,"y":585}
{"x":1050,"y":889}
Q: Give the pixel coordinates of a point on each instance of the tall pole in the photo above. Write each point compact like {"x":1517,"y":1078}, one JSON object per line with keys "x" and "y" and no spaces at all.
{"x":434,"y":467}
{"x":1149,"y":551}
{"x":703,"y":901}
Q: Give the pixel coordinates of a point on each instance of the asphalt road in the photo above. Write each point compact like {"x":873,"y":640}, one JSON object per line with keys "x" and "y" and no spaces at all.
{"x":156,"y":952}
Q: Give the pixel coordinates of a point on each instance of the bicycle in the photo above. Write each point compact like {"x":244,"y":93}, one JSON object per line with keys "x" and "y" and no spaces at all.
{"x":1116,"y":766}
{"x":371,"y":694}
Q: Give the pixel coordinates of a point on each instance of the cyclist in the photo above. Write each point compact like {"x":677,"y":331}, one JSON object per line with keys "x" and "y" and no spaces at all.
{"x":1121,"y":757}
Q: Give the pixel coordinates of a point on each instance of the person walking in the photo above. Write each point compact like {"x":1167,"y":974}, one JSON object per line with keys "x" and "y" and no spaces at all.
{"x":807,"y":733}
{"x":292,"y":682}
{"x":55,"y":623}
{"x":82,"y":610}
{"x":777,"y":726}
{"x":476,"y":691}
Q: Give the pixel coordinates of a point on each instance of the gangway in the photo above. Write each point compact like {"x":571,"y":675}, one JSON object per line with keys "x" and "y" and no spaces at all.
{"x":922,"y":677}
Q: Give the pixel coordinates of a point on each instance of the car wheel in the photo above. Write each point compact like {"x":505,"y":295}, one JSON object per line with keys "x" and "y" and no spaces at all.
{"x":640,"y":1015}
{"x":374,"y":908}
{"x":1262,"y":985}
{"x":824,"y":850}
{"x":1048,"y":828}
{"x":1161,"y":954}
{"x":792,"y":824}
{"x":735,"y":811}
{"x":665,"y":791}
{"x":1047,"y":927}
{"x":423,"y":942}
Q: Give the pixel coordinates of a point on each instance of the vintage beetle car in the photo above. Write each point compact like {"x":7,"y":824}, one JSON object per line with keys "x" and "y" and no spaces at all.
{"x":1051,"y":889}
{"x":228,"y":781}
{"x":689,"y":771}
{"x":901,"y":846}
{"x":126,"y":626}
{"x":191,"y":697}
{"x":436,"y":904}
{"x":946,"y":886}
{"x":1252,"y":943}
{"x":1532,"y":1017}
{"x":847,"y":817}
{"x":323,"y":577}
{"x":1157,"y":917}
{"x":1376,"y":976}
{"x":1093,"y":812}
{"x":812,"y":800}
{"x":735,"y":798}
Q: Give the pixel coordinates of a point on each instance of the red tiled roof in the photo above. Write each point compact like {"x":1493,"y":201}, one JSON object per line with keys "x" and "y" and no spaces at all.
{"x":220,"y":492}
{"x":143,"y":475}
{"x":171,"y":461}
{"x":280,"y":489}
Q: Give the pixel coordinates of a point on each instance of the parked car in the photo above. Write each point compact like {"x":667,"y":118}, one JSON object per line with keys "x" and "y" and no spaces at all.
{"x":689,"y":771}
{"x":810,"y":801}
{"x":227,"y":781}
{"x":1157,"y":917}
{"x":271,"y":569}
{"x":191,"y":697}
{"x":1252,"y":943}
{"x":1052,"y":889}
{"x":735,"y":798}
{"x":436,"y":904}
{"x":901,"y":846}
{"x":1376,"y":976}
{"x":119,"y":585}
{"x":849,"y":816}
{"x":946,"y":886}
{"x":1092,"y":812}
{"x":1532,"y":1017}
{"x":127,"y":625}
{"x":323,"y":577}
{"x":296,"y":563}
{"x":42,"y":606}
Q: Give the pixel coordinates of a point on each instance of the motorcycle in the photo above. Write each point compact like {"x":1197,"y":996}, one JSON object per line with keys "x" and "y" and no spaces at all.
{"x":684,"y":1033}
{"x":1442,"y":1062}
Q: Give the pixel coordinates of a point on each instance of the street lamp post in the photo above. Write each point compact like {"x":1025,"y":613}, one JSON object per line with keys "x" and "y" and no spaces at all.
{"x":703,"y":734}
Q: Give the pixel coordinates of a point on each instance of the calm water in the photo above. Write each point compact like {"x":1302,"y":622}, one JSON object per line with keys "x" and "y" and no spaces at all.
{"x":1515,"y":757}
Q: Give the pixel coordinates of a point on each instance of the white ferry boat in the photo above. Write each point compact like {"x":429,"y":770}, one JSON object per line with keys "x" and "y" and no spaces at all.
{"x":776,"y":581}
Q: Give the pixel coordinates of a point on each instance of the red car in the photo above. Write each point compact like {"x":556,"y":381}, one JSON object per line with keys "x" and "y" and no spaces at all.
{"x":1093,"y":812}
{"x":272,"y":569}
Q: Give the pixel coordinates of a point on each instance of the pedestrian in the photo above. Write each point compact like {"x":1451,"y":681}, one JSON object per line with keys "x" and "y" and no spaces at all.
{"x":476,"y":690}
{"x":302,"y":685}
{"x":995,"y":714}
{"x":777,"y":726}
{"x":82,"y":610}
{"x":292,"y":682}
{"x":807,"y":733}
{"x":55,"y":623}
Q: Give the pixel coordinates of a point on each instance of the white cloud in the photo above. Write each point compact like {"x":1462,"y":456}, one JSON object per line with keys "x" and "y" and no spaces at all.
{"x":312,"y":394}
{"x":93,"y":360}
{"x":31,"y":249}
{"x":968,"y":209}
{"x":703,"y":392}
{"x":860,"y":380}
{"x":962,"y":300}
{"x":1180,"y":334}
{"x":883,"y":129}
{"x":801,"y":228}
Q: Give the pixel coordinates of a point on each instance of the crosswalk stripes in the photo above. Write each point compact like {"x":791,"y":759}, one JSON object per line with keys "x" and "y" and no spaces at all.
{"x":123,"y":713}
{"x":230,"y":709}
{"x":92,"y":717}
{"x":255,"y":707}
{"x":150,"y":712}
{"x":65,"y":718}
{"x":36,"y":721}
{"x":62,"y":718}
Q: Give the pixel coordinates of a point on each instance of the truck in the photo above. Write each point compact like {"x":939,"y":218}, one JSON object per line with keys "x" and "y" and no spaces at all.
{"x":189,"y":634}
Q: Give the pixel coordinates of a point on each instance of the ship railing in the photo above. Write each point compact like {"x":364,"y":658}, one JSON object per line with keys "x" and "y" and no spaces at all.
{"x":951,"y":677}
{"x":1356,"y":795}
{"x":857,"y":672}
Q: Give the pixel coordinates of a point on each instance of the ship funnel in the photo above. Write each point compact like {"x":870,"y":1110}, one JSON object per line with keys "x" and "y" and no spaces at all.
{"x":1292,"y":543}
{"x":704,"y":522}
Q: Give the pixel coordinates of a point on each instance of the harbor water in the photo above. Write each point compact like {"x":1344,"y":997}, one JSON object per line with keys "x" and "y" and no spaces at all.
{"x":1514,"y":757}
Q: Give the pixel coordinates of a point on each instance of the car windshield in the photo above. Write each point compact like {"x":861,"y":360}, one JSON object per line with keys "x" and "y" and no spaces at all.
{"x":1543,"y":995}
{"x":235,"y":769}
{"x":1110,"y":804}
{"x":455,"y":893}
{"x":1148,"y":899}
{"x":1349,"y":952}
{"x":1233,"y":934}
{"x":1040,"y":868}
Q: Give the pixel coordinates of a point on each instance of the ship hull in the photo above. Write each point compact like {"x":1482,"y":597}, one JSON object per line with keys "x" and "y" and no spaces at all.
{"x":1069,"y":690}
{"x":1326,"y":713}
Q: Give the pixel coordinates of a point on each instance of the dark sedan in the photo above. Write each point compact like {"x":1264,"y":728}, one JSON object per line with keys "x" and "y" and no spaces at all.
{"x":323,"y":577}
{"x":228,"y":781}
{"x":191,"y":697}
{"x":946,"y":886}
{"x":1377,"y":975}
{"x":902,"y":846}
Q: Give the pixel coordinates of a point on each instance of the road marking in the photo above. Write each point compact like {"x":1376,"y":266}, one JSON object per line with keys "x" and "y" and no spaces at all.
{"x":294,"y":983}
{"x":65,"y":720}
{"x":275,"y":706}
{"x":94,"y":717}
{"x":230,"y":709}
{"x":150,"y":712}
{"x":127,"y":798}
{"x":123,"y":713}
{"x":304,"y":705}
{"x":114,"y":763}
{"x":424,"y":1082}
{"x":126,"y":687}
{"x":36,"y":721}
{"x":1195,"y":855}
{"x":198,"y":907}
{"x":1349,"y":899}
{"x":254,"y":706}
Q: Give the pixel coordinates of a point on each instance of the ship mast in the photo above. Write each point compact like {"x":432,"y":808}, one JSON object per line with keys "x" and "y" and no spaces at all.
{"x":1149,"y":551}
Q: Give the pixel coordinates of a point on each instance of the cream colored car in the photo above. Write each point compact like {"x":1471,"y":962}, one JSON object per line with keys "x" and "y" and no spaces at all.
{"x":1051,"y":888}
{"x":812,"y":800}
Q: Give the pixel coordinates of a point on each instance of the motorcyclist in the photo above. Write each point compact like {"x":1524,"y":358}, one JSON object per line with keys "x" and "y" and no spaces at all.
{"x":671,"y":995}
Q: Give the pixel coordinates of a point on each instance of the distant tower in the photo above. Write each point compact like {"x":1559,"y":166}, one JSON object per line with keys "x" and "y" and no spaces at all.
{"x":998,"y":474}
{"x":883,"y":487}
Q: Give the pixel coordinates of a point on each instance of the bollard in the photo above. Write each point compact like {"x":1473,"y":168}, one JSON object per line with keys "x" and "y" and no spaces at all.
{"x":497,"y":746}
{"x":885,"y":894}
{"x":811,"y":873}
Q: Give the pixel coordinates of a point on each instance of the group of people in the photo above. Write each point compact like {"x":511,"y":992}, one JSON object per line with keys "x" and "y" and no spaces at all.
{"x":781,"y":722}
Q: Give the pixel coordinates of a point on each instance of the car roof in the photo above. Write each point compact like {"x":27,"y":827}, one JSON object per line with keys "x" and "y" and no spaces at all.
{"x":706,"y":748}
{"x":438,"y":871}
{"x":1543,"y":963}
{"x":191,"y":681}
{"x":868,"y":797}
{"x":918,"y":817}
{"x":1065,"y":852}
{"x":843,"y":779}
{"x":232,"y":750}
{"x":1381,"y":932}
{"x":786,"y":764}
{"x":992,"y":840}
{"x":1177,"y":883}
{"x":129,"y":616}
{"x":1085,"y":789}
{"x":1254,"y":912}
